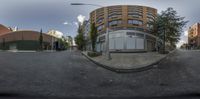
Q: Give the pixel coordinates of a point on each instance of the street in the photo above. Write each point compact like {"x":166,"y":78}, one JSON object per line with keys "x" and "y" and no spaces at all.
{"x":69,"y":74}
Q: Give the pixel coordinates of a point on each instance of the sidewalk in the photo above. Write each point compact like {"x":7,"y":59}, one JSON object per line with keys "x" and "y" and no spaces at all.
{"x":27,"y":51}
{"x":128,"y":62}
{"x":21,"y":51}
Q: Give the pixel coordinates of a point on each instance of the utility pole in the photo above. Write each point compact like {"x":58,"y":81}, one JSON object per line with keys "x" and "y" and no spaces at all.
{"x":164,"y":39}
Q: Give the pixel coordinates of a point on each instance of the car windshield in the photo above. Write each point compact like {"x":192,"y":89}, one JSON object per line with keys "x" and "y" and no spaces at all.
{"x":99,"y":49}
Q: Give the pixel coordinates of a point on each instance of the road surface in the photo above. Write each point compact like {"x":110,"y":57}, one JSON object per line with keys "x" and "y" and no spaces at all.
{"x":69,"y":74}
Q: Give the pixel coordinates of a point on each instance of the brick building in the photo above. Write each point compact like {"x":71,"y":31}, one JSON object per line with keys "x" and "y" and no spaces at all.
{"x":194,"y":36}
{"x":128,"y":25}
{"x":24,"y":40}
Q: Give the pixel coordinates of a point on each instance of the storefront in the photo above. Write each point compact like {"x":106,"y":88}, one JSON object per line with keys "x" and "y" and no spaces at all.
{"x":128,"y":41}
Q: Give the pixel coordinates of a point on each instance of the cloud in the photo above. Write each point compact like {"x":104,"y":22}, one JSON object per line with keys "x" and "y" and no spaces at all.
{"x":66,"y":23}
{"x":81,"y":18}
{"x":71,"y":24}
{"x":186,"y":33}
{"x":183,"y":39}
{"x":75,"y":23}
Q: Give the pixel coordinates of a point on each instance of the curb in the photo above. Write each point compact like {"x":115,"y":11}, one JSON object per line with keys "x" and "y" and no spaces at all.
{"x":20,"y":51}
{"x":28,"y":51}
{"x":118,"y":70}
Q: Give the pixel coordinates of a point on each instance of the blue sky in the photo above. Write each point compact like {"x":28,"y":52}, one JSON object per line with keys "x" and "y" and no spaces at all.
{"x":61,"y":16}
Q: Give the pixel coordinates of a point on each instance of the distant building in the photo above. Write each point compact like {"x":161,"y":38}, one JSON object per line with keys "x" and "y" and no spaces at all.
{"x":15,"y":29}
{"x":86,"y":34}
{"x":55,"y":33}
{"x":184,"y":46}
{"x":69,"y":40}
{"x":194,"y":36}
{"x":86,"y":29}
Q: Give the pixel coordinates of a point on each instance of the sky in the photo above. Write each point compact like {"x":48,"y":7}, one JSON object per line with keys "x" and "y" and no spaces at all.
{"x":60,"y":15}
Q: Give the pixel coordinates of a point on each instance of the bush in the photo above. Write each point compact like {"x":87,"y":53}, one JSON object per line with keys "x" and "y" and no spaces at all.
{"x":94,"y":54}
{"x":164,"y":52}
{"x":198,"y":47}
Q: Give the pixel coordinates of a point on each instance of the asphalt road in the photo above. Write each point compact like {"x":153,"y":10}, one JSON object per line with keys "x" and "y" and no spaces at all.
{"x":69,"y":74}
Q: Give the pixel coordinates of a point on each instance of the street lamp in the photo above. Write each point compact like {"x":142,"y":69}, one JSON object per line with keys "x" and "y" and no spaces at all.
{"x":164,"y":39}
{"x":108,"y":56}
{"x":86,"y":4}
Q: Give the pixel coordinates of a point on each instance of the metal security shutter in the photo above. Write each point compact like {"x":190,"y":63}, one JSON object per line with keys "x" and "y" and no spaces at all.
{"x":98,"y":47}
{"x":139,"y":43}
{"x":12,"y":47}
{"x":103,"y":46}
{"x":112,"y":43}
{"x":130,"y":43}
{"x":119,"y":43}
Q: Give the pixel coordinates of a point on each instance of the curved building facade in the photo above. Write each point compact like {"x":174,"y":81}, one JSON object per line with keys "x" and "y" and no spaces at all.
{"x":24,"y":40}
{"x":128,"y":26}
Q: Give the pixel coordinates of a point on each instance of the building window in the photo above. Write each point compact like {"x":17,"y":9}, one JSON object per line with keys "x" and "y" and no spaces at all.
{"x":135,"y":22}
{"x":115,"y":23}
{"x":130,"y":33}
{"x":100,"y":20}
{"x":135,"y":28}
{"x":114,"y":16}
{"x":150,"y":19}
{"x":99,"y":28}
{"x":130,"y":21}
{"x":135,"y":15}
{"x":140,"y":35}
{"x":150,"y":15}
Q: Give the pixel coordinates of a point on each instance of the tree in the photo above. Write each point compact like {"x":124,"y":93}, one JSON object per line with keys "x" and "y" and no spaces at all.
{"x":79,"y":39}
{"x":65,"y":44}
{"x":41,"y":40}
{"x":70,"y":40}
{"x":168,"y":26}
{"x":93,"y":36}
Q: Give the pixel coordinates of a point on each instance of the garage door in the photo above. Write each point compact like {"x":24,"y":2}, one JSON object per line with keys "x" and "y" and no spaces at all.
{"x":119,"y":43}
{"x":130,"y":43}
{"x":139,"y":43}
{"x":12,"y":47}
{"x":112,"y":43}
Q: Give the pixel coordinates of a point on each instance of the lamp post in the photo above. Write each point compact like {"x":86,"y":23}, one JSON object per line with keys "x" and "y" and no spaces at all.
{"x":164,"y":39}
{"x":108,"y":56}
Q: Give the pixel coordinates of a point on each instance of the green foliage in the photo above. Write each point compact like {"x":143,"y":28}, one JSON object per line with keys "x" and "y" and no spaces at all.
{"x":198,"y":47}
{"x":93,"y":36}
{"x":79,"y":39}
{"x":70,"y":41}
{"x":169,"y":25}
{"x":94,"y":54}
{"x":63,"y":44}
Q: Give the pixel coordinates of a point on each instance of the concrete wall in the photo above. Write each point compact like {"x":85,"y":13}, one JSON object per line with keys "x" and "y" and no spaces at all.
{"x":24,"y":35}
{"x":24,"y":45}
